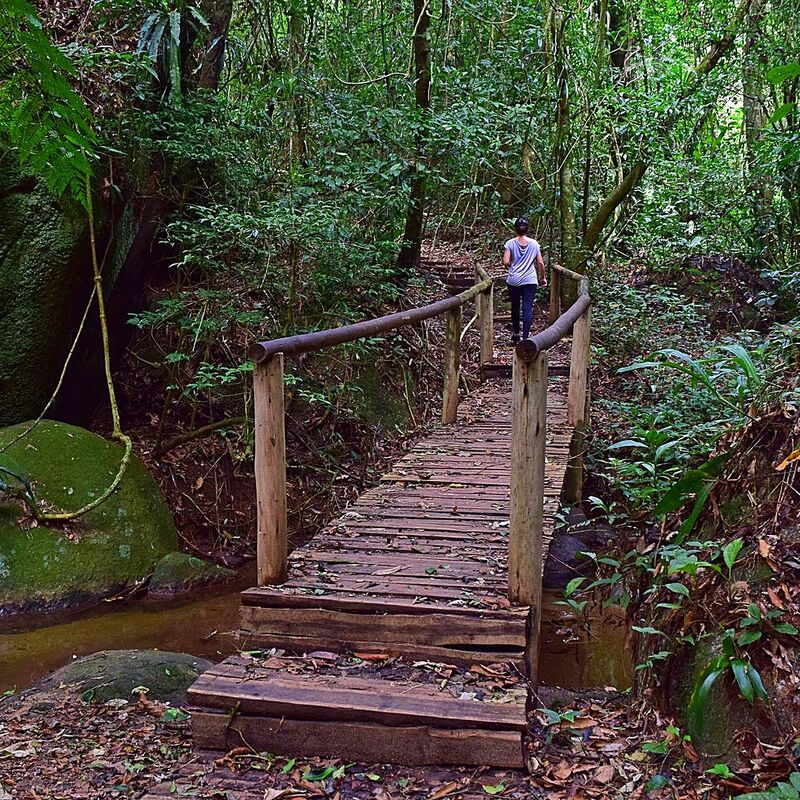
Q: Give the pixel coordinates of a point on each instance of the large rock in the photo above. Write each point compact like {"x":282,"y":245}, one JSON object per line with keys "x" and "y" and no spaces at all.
{"x":117,"y":673}
{"x":179,"y":574}
{"x":44,"y":267}
{"x":45,"y":283}
{"x":111,"y":547}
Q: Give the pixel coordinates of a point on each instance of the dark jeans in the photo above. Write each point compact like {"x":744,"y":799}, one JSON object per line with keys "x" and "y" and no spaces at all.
{"x":524,"y":296}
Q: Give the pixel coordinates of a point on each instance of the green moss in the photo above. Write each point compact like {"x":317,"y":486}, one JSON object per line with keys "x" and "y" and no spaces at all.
{"x":179,"y":572}
{"x":45,"y":271}
{"x":110,"y":547}
{"x":738,"y":511}
{"x":726,"y":712}
{"x":116,"y":673}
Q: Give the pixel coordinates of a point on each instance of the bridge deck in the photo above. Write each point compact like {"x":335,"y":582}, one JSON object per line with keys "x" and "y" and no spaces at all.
{"x":417,"y":565}
{"x":416,"y":569}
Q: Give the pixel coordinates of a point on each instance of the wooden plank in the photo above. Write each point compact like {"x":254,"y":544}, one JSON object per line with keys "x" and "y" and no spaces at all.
{"x":270,"y":470}
{"x":359,"y":741}
{"x":441,"y":630}
{"x":332,"y":698}
{"x":271,"y":598}
{"x":452,"y":361}
{"x":407,"y":650}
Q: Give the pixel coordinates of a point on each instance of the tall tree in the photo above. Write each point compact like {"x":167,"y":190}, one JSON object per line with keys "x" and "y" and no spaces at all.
{"x":409,"y":254}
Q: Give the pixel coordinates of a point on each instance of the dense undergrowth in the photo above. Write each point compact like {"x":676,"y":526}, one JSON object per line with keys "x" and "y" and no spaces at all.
{"x":694,"y":461}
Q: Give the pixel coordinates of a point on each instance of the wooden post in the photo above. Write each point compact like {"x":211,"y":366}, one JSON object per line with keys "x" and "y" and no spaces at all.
{"x":484,"y":308}
{"x":579,"y":369}
{"x":452,"y":361}
{"x":555,"y":295}
{"x":486,"y":312}
{"x":528,"y":441}
{"x":271,"y":545}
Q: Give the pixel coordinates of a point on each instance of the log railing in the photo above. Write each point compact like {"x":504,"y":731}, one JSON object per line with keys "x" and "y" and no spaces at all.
{"x":270,"y":436}
{"x":529,"y":441}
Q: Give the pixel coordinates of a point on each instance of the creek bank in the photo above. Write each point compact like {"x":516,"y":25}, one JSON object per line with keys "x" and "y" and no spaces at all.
{"x":577,"y":535}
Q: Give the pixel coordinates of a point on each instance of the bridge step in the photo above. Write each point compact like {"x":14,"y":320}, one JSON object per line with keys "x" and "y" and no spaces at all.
{"x":361,"y":710}
{"x":343,"y":621}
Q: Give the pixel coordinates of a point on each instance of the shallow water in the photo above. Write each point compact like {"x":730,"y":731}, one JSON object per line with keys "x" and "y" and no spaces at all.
{"x":593,"y":656}
{"x":583,"y":653}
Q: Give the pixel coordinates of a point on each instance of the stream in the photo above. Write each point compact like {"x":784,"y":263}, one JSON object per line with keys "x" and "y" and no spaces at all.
{"x":574,"y":657}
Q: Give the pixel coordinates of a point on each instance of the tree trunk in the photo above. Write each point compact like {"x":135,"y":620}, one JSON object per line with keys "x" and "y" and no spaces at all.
{"x":566,"y":184}
{"x":753,"y":108}
{"x":218,"y":15}
{"x":409,"y":255}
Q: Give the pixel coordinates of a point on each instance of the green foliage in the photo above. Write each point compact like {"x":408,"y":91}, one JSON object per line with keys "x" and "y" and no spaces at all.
{"x":160,"y":38}
{"x":748,"y":679}
{"x":782,"y":790}
{"x":47,"y":123}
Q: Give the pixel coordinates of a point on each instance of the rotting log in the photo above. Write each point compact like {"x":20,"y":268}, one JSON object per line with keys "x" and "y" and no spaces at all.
{"x":452,"y":359}
{"x":270,"y":469}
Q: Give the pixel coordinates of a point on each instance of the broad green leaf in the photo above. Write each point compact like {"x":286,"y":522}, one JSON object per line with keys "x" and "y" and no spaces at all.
{"x":723,"y":770}
{"x":699,"y":698}
{"x":758,"y":684}
{"x":627,"y":443}
{"x":657,"y":782}
{"x":289,"y":766}
{"x":748,"y":637}
{"x":783,"y":72}
{"x":739,"y":668}
{"x":572,"y":586}
{"x":787,"y":628}
{"x":731,"y":551}
{"x":647,"y":630}
{"x":678,"y":588}
{"x":497,"y":789}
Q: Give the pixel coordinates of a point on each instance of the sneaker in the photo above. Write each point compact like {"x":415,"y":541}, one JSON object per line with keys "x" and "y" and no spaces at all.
{"x":514,"y":339}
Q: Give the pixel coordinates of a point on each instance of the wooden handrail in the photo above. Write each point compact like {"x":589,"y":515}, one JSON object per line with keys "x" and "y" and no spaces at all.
{"x":576,"y":276}
{"x":318,"y":340}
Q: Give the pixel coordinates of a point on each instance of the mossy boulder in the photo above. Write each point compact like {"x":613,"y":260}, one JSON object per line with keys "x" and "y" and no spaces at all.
{"x":726,"y":714}
{"x":44,"y":271}
{"x":116,"y":673}
{"x":178,"y":574}
{"x":46,"y":281}
{"x":111,"y":547}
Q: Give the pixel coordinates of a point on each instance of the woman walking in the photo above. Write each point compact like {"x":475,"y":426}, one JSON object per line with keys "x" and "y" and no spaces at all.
{"x":523,"y":257}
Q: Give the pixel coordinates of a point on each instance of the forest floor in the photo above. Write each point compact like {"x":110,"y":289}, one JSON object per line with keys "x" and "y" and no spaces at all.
{"x":207,"y":481}
{"x":58,"y":746}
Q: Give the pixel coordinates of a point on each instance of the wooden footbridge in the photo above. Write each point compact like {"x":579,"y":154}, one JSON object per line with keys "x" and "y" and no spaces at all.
{"x":436,"y":571}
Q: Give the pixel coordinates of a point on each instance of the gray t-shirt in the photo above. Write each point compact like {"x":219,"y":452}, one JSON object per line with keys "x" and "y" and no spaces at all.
{"x":522,"y":269}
